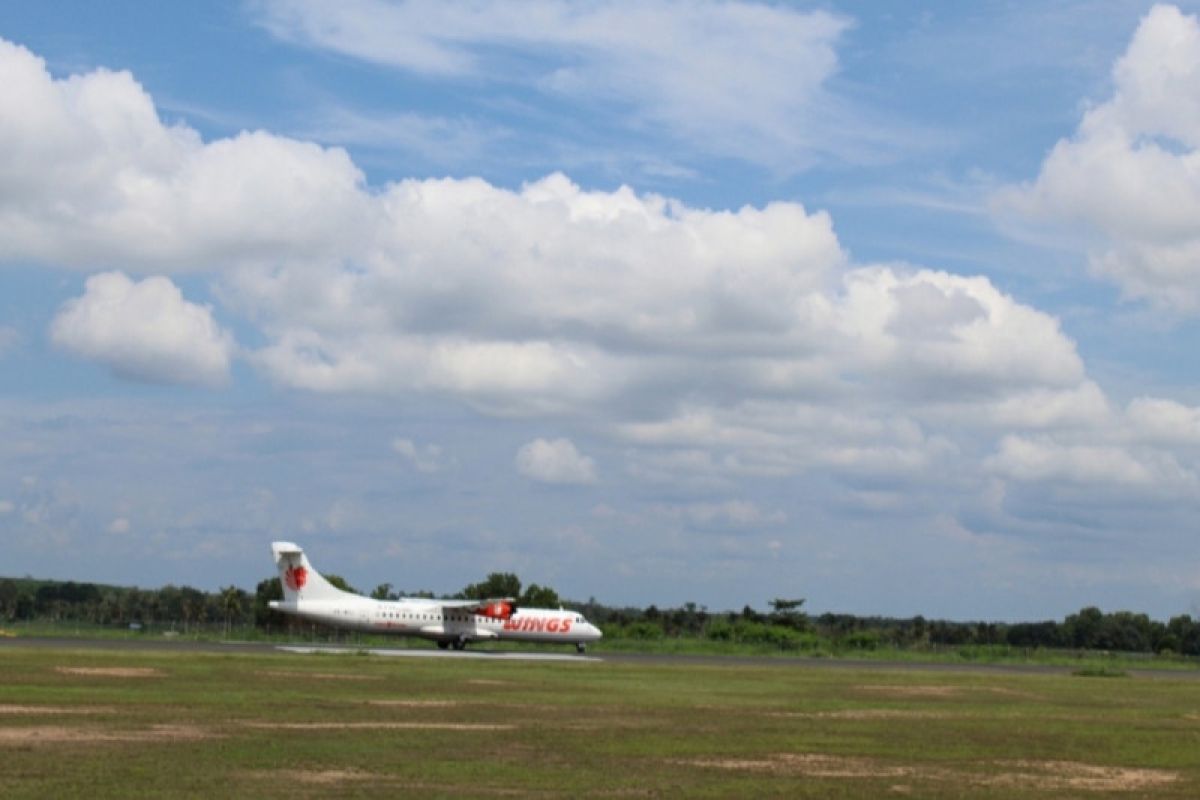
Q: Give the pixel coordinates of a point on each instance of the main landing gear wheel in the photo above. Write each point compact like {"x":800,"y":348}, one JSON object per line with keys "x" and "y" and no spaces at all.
{"x":460,"y":643}
{"x":442,"y":645}
{"x":581,"y":648}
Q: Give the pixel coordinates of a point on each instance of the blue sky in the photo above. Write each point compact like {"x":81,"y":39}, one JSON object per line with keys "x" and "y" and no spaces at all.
{"x":894,"y":308}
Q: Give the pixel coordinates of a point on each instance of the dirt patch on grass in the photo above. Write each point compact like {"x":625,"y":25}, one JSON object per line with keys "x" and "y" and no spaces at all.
{"x":1004,"y":691}
{"x":608,"y":723}
{"x":1048,"y":776}
{"x":318,"y":777}
{"x":113,"y":672}
{"x":380,"y":726}
{"x":906,"y":691}
{"x":925,"y":692}
{"x":488,"y":682}
{"x":322,"y":676}
{"x":356,"y":779}
{"x":861,"y":714}
{"x":414,"y":703}
{"x":1073,"y":775}
{"x":811,"y":765}
{"x":59,"y":734}
{"x":39,"y":711}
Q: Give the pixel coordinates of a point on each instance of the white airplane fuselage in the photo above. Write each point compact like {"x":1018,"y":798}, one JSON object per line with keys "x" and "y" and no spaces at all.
{"x":415,"y":617}
{"x":449,"y":622}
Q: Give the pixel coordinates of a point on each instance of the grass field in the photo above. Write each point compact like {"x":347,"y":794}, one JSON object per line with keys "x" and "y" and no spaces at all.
{"x":101,"y":723}
{"x":682,"y":645}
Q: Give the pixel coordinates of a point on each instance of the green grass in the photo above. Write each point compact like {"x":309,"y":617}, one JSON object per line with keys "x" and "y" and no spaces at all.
{"x":279,"y":725}
{"x":684,"y":645}
{"x":1100,"y":672}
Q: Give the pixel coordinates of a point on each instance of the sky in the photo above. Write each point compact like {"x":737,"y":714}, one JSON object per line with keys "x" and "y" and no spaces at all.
{"x":892,"y":307}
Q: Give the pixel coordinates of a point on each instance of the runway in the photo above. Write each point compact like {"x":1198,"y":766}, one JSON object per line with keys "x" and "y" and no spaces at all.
{"x":181,"y":645}
{"x":488,"y":655}
{"x":485,"y":655}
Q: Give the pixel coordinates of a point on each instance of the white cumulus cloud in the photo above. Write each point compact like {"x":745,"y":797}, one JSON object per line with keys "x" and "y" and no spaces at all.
{"x":91,"y":176}
{"x":1128,"y":181}
{"x":1028,"y":459}
{"x":717,"y":345}
{"x":1164,"y":422}
{"x":740,"y":79}
{"x":144,"y":331}
{"x":735,"y":514}
{"x":546,"y":298}
{"x":555,"y":461}
{"x":424,"y":458}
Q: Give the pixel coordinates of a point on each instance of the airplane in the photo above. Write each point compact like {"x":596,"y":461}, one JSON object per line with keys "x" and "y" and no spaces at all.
{"x":451,"y":623}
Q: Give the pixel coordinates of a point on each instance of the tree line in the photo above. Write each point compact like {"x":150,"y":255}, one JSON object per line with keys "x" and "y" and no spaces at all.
{"x":789,"y":629}
{"x":785,"y":625}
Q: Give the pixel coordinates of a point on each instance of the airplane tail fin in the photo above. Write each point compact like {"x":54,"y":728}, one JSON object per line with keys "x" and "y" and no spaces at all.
{"x":300,"y":581}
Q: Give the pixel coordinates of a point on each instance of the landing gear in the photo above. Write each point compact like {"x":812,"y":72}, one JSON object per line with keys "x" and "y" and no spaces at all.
{"x":580,"y":648}
{"x":460,"y":643}
{"x":442,"y":644}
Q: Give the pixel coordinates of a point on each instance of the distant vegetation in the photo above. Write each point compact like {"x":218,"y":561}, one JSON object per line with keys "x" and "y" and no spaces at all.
{"x":784,"y":627}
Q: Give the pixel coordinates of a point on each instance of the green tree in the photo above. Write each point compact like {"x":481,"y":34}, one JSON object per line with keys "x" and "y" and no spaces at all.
{"x":264,"y":593}
{"x":497,"y":584}
{"x":787,"y":613}
{"x":25,"y":606}
{"x":8,"y":599}
{"x":1186,"y":634}
{"x":110,"y":608}
{"x":341,"y":583}
{"x":1083,"y":629}
{"x":539,"y":597}
{"x":384,"y":592}
{"x":232,"y":603}
{"x":191,"y":606}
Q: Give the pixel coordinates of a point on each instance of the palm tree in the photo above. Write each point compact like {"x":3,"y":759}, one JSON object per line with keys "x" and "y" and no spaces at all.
{"x":231,"y":603}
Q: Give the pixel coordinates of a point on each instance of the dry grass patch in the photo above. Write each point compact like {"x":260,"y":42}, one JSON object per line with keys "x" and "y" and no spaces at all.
{"x":1047,"y":776}
{"x":347,"y":778}
{"x":41,"y":711}
{"x":59,"y":734}
{"x":321,"y":676}
{"x":414,"y":703}
{"x":317,"y":777}
{"x":812,"y":765}
{"x":1073,"y":775}
{"x":941,"y":691}
{"x":1004,"y":691}
{"x":112,"y":672}
{"x":861,"y":714}
{"x":906,"y":691}
{"x":381,"y":726}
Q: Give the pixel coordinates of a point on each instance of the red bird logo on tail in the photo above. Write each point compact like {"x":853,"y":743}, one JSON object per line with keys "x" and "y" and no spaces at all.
{"x":295,"y":578}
